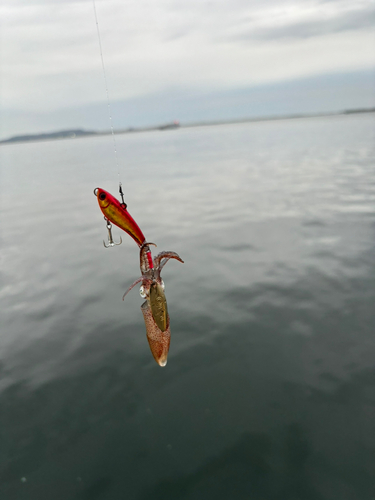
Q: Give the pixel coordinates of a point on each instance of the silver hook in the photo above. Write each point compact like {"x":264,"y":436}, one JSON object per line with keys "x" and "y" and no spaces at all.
{"x":111,"y":243}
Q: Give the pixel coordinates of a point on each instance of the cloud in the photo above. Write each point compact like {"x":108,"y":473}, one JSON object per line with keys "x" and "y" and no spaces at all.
{"x":50,"y":52}
{"x":295,"y":22}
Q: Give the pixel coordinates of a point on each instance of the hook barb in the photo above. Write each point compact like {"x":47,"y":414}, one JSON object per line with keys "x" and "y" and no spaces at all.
{"x":111,"y":243}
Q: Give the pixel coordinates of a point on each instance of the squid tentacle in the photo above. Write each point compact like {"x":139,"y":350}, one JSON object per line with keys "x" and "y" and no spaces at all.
{"x":160,"y":263}
{"x":132,"y":286}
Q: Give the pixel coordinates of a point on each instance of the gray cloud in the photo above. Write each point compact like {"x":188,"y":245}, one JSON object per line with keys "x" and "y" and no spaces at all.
{"x":30,"y":3}
{"x":352,"y":19}
{"x":50,"y":53}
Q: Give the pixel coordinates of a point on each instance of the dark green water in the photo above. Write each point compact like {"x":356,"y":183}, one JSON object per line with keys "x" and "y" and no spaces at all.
{"x":269,"y":390}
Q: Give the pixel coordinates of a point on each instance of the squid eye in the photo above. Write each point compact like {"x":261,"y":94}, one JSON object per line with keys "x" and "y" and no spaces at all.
{"x":162,"y":284}
{"x":102,"y":196}
{"x":142,"y":292}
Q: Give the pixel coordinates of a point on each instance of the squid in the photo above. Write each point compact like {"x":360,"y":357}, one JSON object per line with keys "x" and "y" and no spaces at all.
{"x":154,"y":309}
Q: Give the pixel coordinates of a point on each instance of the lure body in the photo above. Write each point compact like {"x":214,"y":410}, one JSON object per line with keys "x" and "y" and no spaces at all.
{"x":116,"y":212}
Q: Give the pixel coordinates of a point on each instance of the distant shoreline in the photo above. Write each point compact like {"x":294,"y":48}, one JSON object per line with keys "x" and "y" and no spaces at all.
{"x":81,"y":133}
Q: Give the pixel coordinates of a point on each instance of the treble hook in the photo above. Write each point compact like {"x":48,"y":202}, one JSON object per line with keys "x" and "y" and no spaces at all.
{"x":111,"y":243}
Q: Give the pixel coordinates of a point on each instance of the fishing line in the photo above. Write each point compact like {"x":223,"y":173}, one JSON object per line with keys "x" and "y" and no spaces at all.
{"x":107,"y":93}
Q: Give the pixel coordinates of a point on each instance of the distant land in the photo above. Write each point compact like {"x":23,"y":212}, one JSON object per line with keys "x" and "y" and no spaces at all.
{"x":61,"y":134}
{"x":79,"y":133}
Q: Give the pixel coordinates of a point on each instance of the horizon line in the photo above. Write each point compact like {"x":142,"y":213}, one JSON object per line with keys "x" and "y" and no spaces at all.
{"x":82,"y":133}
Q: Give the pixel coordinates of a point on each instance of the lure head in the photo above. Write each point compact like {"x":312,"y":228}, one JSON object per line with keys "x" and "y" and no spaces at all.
{"x":104,"y":198}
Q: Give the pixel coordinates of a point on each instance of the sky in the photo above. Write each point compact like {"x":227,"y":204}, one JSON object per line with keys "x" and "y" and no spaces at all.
{"x":188,"y":60}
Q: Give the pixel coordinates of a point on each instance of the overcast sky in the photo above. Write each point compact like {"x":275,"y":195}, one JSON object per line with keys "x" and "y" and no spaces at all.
{"x":50,"y":58}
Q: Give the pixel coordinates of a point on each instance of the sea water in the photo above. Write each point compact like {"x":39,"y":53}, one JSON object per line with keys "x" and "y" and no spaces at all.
{"x":269,"y":390}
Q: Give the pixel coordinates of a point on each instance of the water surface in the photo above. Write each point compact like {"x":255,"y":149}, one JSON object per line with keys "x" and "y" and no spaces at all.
{"x":269,"y":390}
